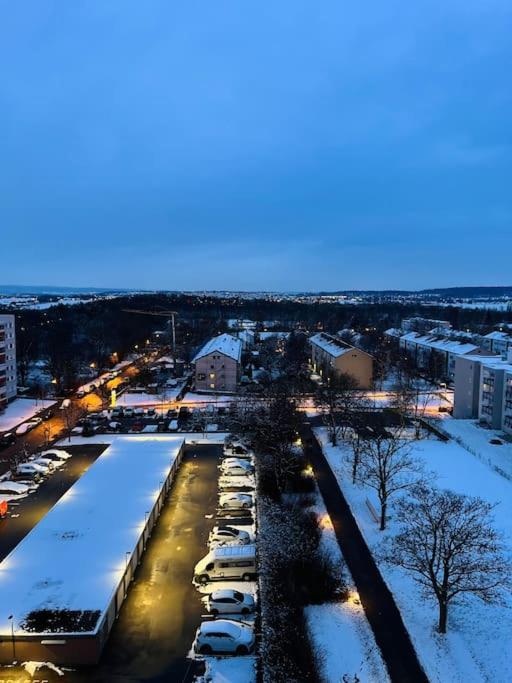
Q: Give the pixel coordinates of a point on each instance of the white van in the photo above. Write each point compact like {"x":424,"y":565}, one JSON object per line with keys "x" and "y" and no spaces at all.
{"x":227,"y":562}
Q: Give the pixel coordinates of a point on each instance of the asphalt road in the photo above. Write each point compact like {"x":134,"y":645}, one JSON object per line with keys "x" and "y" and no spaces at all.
{"x":155,"y":629}
{"x":378,"y":603}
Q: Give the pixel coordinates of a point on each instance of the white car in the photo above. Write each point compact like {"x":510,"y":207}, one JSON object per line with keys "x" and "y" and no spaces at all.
{"x":24,"y":428}
{"x":229,"y":601}
{"x":229,"y":534}
{"x":235,"y":501}
{"x":48,"y":462}
{"x":224,"y":636}
{"x":8,"y":487}
{"x":236,"y":468}
{"x":56,"y":454}
{"x":32,"y":469}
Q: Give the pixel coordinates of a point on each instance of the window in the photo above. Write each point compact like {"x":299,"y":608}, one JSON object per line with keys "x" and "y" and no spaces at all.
{"x":212,"y":386}
{"x":212,"y":375}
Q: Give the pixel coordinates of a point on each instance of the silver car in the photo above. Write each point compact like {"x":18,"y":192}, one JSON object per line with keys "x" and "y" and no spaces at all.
{"x":229,"y":601}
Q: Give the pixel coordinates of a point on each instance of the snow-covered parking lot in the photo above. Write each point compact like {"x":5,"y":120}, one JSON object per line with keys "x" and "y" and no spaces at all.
{"x":479,"y":639}
{"x":20,"y":410}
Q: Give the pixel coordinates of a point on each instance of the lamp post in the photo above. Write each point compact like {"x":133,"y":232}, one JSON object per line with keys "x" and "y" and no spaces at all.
{"x":11,"y":619}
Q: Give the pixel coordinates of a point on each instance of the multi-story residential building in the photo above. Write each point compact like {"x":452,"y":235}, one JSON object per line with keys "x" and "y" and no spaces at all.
{"x":494,"y":391}
{"x":8,"y":381}
{"x":424,"y":324}
{"x":466,"y":394}
{"x":507,"y":401}
{"x":332,"y":355}
{"x":420,"y":348}
{"x":217,"y":364}
{"x":498,"y":342}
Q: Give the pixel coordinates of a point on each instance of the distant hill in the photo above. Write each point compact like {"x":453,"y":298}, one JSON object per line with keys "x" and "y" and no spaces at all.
{"x":12,"y":290}
{"x":455,"y":292}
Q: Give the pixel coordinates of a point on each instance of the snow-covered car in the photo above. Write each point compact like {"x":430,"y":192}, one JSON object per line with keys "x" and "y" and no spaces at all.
{"x":24,"y":428}
{"x":139,"y":412}
{"x":235,"y":501}
{"x":224,"y":636}
{"x":13,"y":487}
{"x":229,"y":601}
{"x":31,"y":469}
{"x":45,"y":463}
{"x":229,"y":534}
{"x":56,"y":454}
{"x":77,"y":431}
{"x":236,"y":468}
{"x":128,"y":412}
{"x":173,"y":426}
{"x":114,"y":426}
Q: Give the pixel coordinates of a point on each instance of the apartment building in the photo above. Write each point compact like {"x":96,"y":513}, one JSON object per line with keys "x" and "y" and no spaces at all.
{"x":8,"y":380}
{"x":498,"y":342}
{"x":424,"y":324}
{"x":483,"y":390}
{"x":332,"y":355}
{"x":420,"y":347}
{"x":217,"y":364}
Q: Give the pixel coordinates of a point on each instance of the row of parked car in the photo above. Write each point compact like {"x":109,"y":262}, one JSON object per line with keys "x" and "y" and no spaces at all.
{"x":231,"y":559}
{"x":25,"y":477}
{"x":97,"y":383}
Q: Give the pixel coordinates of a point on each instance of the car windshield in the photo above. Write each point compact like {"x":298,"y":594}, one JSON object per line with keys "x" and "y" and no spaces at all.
{"x":239,"y":596}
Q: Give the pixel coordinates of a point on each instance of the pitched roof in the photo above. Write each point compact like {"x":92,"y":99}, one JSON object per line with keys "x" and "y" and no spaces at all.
{"x":332,"y":345}
{"x":223,"y":343}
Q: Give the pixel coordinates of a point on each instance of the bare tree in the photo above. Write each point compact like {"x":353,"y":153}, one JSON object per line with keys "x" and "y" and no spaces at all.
{"x":411,"y":399}
{"x":448,"y":543}
{"x":387,"y":467}
{"x":338,"y":398}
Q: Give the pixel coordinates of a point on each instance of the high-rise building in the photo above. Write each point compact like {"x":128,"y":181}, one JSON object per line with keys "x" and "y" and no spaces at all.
{"x":8,"y":381}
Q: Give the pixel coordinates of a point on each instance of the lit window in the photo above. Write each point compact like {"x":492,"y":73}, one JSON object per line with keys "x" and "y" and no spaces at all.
{"x":212,"y":375}
{"x":212,"y":386}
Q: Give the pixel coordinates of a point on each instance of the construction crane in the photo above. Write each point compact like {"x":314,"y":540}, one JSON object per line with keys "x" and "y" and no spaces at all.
{"x":166,"y":314}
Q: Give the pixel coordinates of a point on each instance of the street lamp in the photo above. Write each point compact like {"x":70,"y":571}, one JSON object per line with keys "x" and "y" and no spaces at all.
{"x":11,"y":619}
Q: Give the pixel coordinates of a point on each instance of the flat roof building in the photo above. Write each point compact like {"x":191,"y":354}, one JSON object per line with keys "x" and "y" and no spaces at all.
{"x":65,"y":582}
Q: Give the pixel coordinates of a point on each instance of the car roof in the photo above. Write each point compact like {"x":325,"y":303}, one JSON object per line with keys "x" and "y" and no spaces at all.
{"x":223,"y":593}
{"x":220,"y":625}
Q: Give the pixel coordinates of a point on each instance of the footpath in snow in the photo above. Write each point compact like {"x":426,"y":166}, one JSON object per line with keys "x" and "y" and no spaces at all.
{"x":479,"y":641}
{"x":342,"y":637}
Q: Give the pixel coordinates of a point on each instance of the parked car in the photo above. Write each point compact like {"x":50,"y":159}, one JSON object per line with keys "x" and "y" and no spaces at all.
{"x":47,"y":462}
{"x":128,"y":412}
{"x":117,"y":412}
{"x":235,"y":501}
{"x":224,"y":636}
{"x":229,"y":601}
{"x":24,"y":428}
{"x":139,"y":412}
{"x":151,"y":412}
{"x":7,"y":439}
{"x":236,"y":467}
{"x":56,"y":454}
{"x":229,"y":534}
{"x":32,"y":469}
{"x":237,"y":562}
{"x":114,"y":426}
{"x":172,"y":414}
{"x":7,"y":486}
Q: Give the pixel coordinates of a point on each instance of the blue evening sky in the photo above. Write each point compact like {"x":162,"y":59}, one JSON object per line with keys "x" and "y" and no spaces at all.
{"x":256,"y":145}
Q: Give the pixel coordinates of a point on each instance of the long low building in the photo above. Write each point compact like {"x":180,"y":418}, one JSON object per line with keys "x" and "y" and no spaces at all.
{"x":64,"y":584}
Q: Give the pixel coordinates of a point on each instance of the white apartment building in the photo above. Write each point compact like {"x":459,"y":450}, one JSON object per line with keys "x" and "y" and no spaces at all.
{"x":8,"y":380}
{"x":497,"y":342}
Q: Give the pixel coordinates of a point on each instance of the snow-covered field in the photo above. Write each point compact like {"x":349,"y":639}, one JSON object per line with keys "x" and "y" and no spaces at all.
{"x":477,"y":439}
{"x":340,"y":632}
{"x":142,"y":399}
{"x":192,"y":397}
{"x":20,"y":410}
{"x":479,"y":641}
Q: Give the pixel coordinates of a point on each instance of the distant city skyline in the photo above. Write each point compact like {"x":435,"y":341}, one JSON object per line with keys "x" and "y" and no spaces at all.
{"x":279,"y":147}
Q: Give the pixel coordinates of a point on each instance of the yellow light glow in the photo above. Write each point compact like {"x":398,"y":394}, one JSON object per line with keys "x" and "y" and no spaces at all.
{"x":354,"y":601}
{"x":325,"y":522}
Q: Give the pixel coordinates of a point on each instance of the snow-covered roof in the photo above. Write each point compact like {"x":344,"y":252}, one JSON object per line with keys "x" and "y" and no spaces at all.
{"x":223,"y":343}
{"x":439,"y":343}
{"x":74,"y":558}
{"x":332,"y":345}
{"x":505,"y":336}
{"x":393,"y":332}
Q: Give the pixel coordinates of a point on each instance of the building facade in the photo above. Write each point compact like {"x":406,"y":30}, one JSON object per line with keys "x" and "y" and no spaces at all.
{"x":218,"y":364}
{"x":330,"y":355}
{"x":8,"y":377}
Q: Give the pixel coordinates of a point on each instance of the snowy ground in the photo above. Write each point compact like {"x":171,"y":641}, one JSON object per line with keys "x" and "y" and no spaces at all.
{"x":477,"y":439}
{"x":20,"y":410}
{"x":191,"y":397}
{"x":478,"y":644}
{"x":142,"y":399}
{"x":340,"y":632}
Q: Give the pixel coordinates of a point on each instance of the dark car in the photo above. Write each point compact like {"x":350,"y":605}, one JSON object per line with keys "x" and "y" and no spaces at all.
{"x":7,"y":439}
